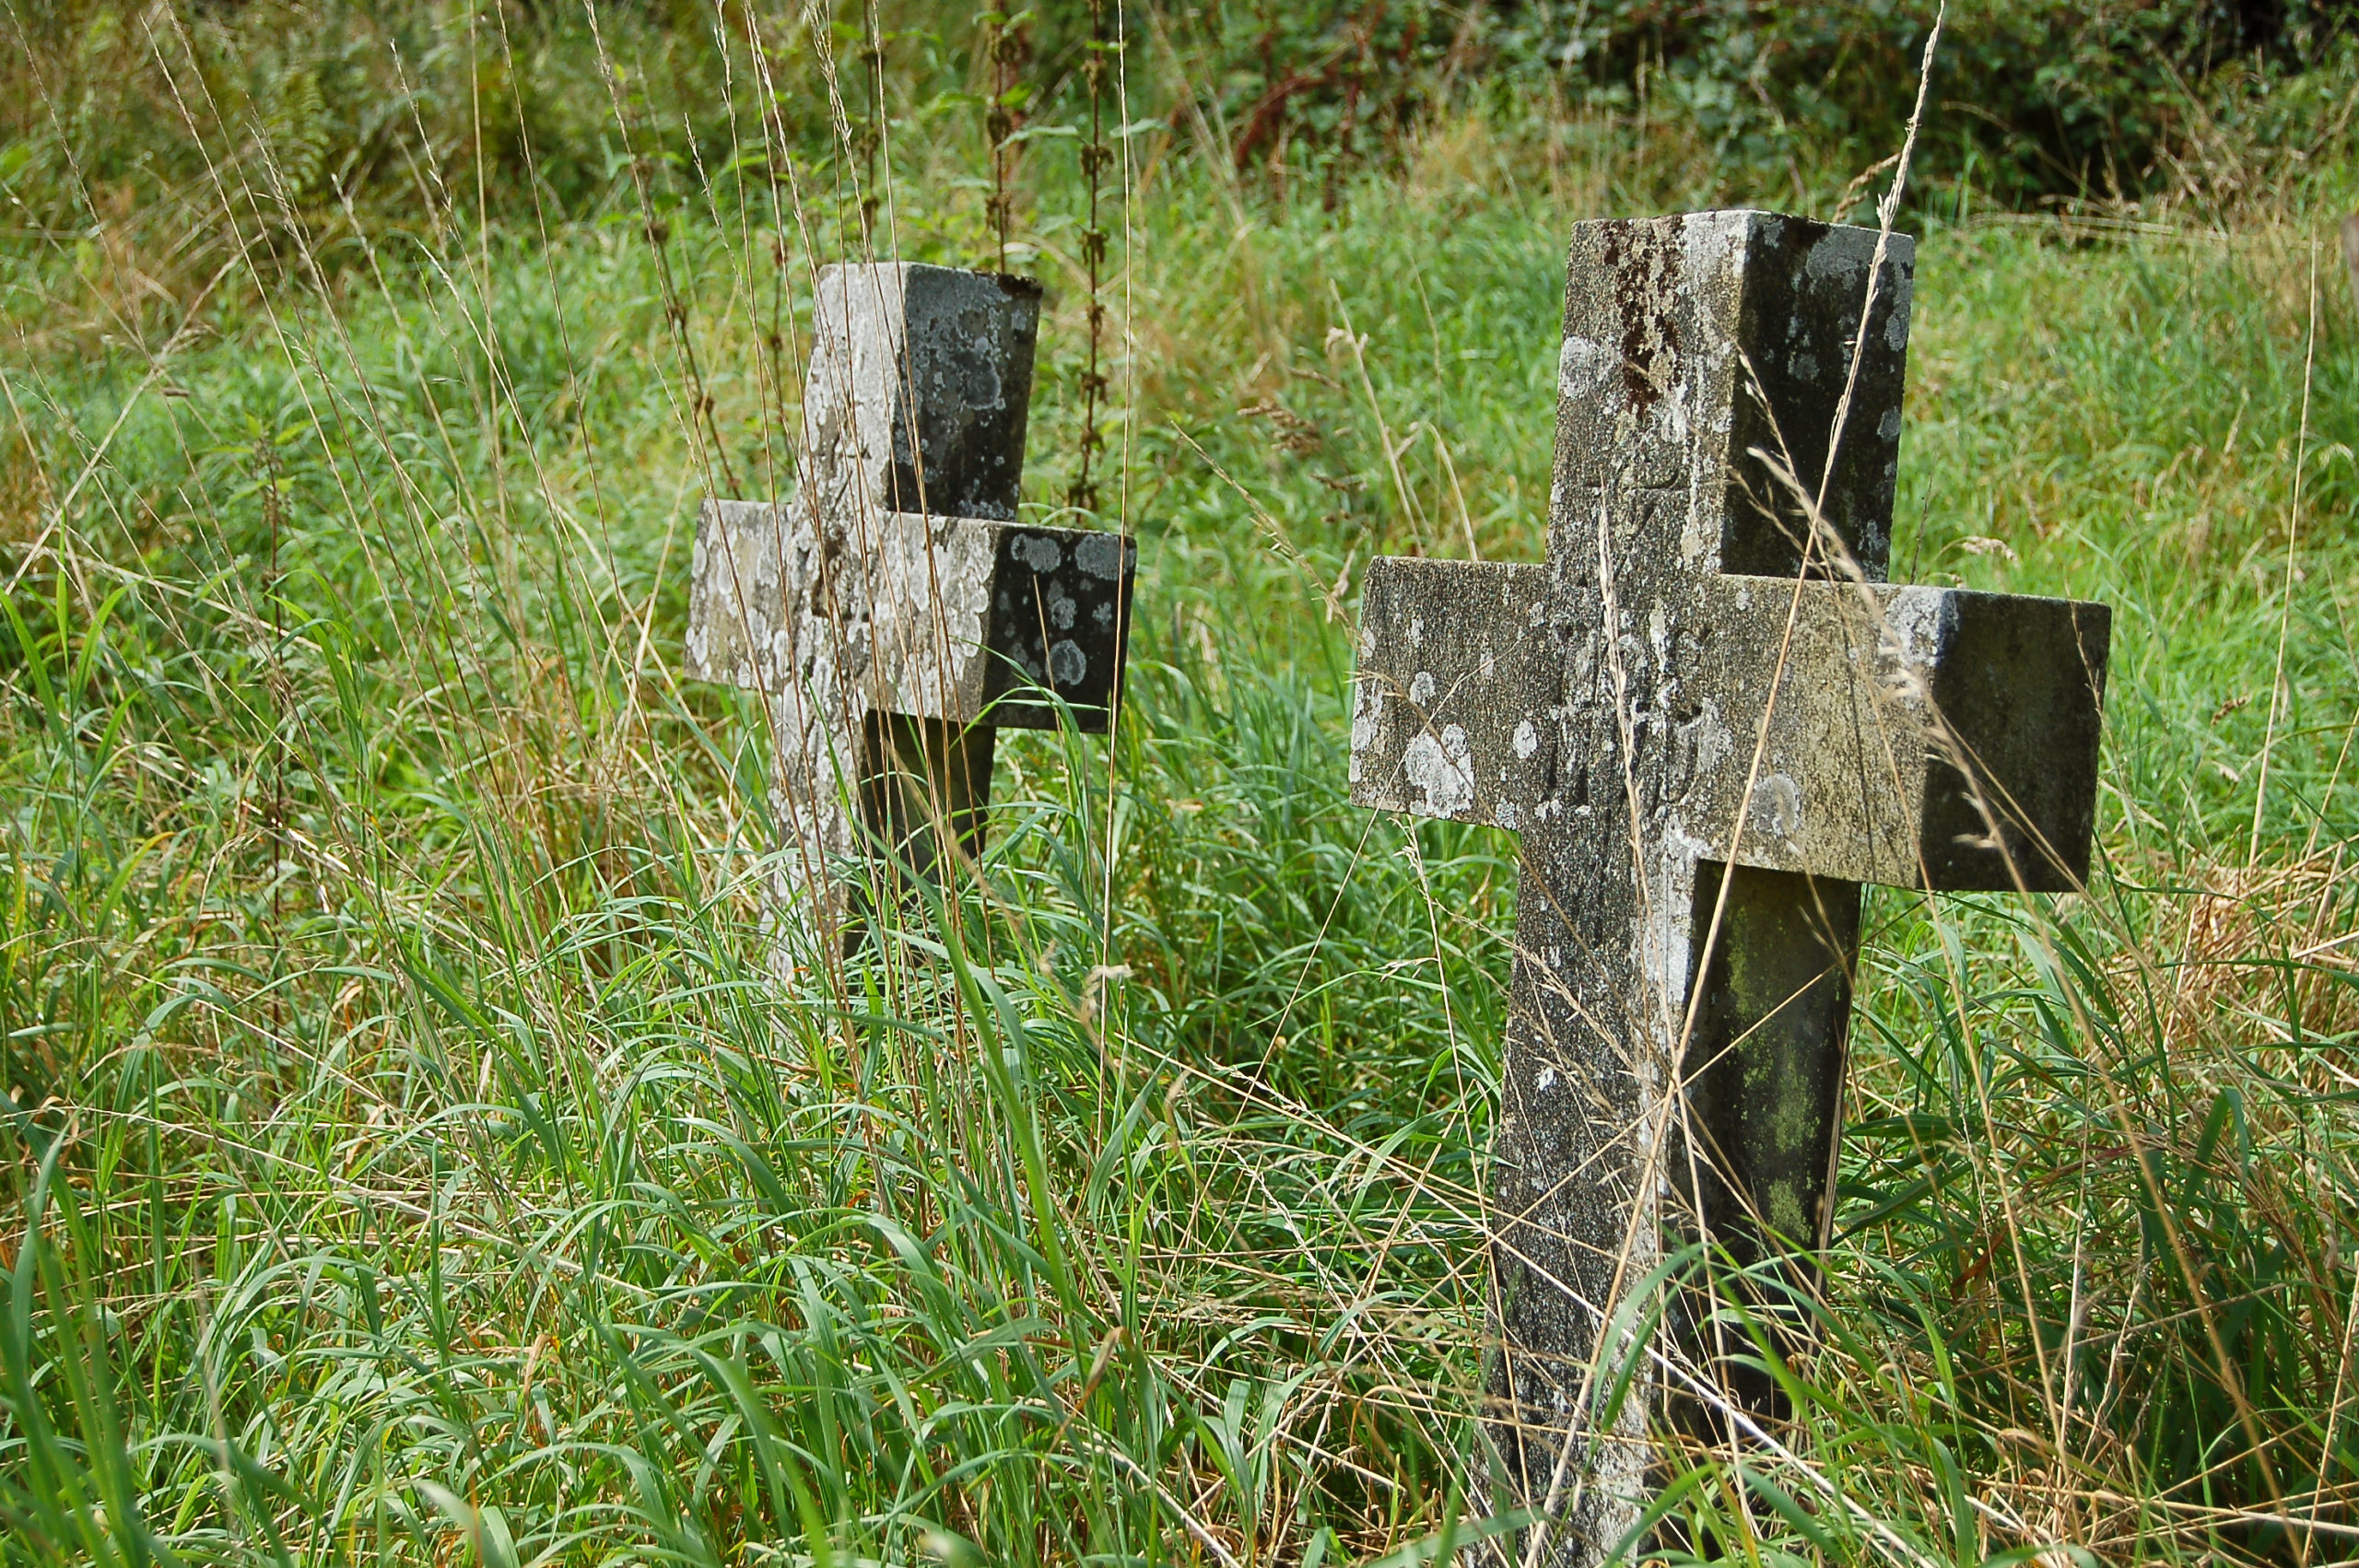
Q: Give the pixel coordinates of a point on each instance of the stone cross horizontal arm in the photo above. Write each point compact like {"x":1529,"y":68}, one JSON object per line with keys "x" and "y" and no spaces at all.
{"x":967,"y":618}
{"x":1884,"y":690}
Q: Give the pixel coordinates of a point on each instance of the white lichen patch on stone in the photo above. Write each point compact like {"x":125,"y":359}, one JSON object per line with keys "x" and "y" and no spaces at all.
{"x":1838,"y":257}
{"x":1038,"y":551}
{"x":1367,"y":726}
{"x":1438,"y":768}
{"x":1777,"y":807}
{"x":1706,"y":739}
{"x":1584,"y":369}
{"x":1101,"y":555}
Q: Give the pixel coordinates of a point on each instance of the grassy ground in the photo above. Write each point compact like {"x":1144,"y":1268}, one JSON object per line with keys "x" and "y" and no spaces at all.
{"x":409,"y":1157}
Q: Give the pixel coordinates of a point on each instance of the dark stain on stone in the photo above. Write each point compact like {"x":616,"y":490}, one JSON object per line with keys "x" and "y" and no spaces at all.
{"x":1638,"y":257}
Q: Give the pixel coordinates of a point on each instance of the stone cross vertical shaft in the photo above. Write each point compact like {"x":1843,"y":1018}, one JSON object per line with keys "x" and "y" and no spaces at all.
{"x":1710,"y":723}
{"x":892,"y":611}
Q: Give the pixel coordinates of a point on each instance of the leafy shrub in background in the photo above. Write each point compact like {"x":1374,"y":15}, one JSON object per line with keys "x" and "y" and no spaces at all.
{"x":274,"y":112}
{"x":338,"y":114}
{"x":2031,"y":98}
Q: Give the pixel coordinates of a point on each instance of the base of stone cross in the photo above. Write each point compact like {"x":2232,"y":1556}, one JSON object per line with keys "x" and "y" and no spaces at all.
{"x":921,"y":811}
{"x":925,"y":795}
{"x":925,"y":783}
{"x":1764,"y":1109}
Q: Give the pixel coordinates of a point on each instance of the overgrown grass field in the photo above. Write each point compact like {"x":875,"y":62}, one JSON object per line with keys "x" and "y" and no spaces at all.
{"x":410,"y":1158}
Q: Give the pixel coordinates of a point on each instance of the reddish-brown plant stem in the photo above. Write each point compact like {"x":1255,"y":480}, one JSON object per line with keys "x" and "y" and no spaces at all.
{"x":1095,"y":156}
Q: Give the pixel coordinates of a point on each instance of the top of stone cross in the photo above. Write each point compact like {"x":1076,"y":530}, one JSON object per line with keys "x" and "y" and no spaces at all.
{"x":919,"y":388}
{"x":1692,"y":343}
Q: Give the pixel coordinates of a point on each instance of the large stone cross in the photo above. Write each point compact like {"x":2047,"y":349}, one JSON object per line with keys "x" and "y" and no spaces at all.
{"x":892,"y":611}
{"x":1699,"y":680}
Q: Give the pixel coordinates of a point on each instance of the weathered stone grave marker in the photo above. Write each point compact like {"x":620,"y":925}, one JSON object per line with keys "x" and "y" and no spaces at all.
{"x":1690,"y":685}
{"x":892,"y":612}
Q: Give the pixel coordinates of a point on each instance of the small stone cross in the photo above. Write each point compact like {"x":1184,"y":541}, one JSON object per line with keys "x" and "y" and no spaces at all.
{"x":892,"y":612}
{"x":1696,"y":679}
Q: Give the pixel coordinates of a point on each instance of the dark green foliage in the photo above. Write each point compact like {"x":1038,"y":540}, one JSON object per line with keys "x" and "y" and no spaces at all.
{"x":277,"y":113}
{"x":2036,"y":98}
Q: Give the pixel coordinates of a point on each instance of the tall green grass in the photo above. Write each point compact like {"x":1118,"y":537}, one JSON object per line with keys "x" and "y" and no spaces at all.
{"x":414,"y":1159}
